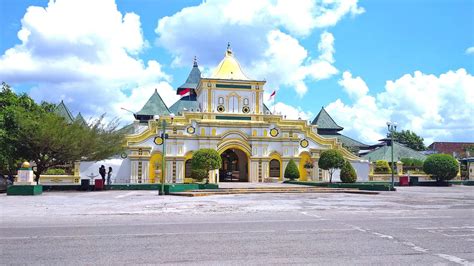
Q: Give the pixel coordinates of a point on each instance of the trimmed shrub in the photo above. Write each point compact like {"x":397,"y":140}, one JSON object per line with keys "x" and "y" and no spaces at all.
{"x":291,"y":171}
{"x":331,"y":160}
{"x":348,"y":173}
{"x":199,"y":174}
{"x":382,"y":167}
{"x":441,"y":167}
{"x":207,"y":159}
{"x":412,"y":162}
{"x":55,"y":171}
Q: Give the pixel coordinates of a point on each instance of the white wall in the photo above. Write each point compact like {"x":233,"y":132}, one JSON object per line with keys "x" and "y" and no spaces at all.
{"x":120,"y":169}
{"x":361,"y":168}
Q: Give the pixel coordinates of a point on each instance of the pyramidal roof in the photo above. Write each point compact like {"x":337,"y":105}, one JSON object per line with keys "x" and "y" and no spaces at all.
{"x":193,"y":78}
{"x":184,"y":104}
{"x":324,"y":121}
{"x":154,"y":106}
{"x":62,"y":110}
{"x":399,"y":151}
{"x":81,"y":119}
{"x":229,"y":68}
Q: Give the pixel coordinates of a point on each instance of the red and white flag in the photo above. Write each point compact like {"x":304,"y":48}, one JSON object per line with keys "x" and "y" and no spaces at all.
{"x":185,"y":92}
{"x":272,"y":95}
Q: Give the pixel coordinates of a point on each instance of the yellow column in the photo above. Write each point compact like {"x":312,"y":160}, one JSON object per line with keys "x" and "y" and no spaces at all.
{"x":304,"y":157}
{"x":153,"y":166}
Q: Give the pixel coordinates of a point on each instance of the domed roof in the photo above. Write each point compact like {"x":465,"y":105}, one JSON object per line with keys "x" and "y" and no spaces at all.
{"x":229,"y":68}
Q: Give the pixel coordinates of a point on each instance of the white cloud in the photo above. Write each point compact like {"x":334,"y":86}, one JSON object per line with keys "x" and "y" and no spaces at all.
{"x":285,"y":62}
{"x":85,"y":52}
{"x":470,"y":50}
{"x":326,"y":47}
{"x":334,"y":10}
{"x":288,"y":111}
{"x":355,"y":87}
{"x":271,"y":29}
{"x":439,"y":108}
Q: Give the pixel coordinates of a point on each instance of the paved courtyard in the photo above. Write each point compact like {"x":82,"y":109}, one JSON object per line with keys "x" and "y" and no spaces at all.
{"x":415,"y":225}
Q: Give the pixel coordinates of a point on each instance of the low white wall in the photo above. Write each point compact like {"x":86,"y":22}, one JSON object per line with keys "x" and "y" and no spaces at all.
{"x":120,"y":169}
{"x":361,"y":168}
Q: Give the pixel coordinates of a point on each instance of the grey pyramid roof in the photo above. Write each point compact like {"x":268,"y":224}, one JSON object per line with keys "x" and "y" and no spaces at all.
{"x":324,"y":121}
{"x":265,"y":109}
{"x":184,"y":103}
{"x":80,"y":119}
{"x":154,"y":106}
{"x":193,"y":78}
{"x":62,"y":110}
{"x":349,"y":142}
{"x":128,"y":129}
{"x":399,"y":151}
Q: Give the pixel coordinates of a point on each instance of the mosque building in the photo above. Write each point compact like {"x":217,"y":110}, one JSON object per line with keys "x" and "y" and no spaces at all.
{"x":226,"y":112}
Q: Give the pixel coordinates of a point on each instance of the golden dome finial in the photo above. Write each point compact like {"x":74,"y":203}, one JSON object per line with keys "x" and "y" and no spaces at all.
{"x":229,"y":67}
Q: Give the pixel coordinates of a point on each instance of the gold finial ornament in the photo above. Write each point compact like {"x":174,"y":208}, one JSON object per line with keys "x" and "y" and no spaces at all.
{"x":229,"y":67}
{"x":25,"y":165}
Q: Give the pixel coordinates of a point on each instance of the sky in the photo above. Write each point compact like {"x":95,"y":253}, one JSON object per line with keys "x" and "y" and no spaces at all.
{"x":366,"y":62}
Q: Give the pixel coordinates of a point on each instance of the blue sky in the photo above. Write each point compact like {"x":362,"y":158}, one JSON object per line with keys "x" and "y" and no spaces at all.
{"x":367,"y":62}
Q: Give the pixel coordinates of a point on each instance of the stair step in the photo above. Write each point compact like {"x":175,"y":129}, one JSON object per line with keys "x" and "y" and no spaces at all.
{"x":229,"y":191}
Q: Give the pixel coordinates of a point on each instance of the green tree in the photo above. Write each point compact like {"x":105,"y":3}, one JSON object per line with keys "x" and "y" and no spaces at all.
{"x":10,"y":158}
{"x":348,"y":173}
{"x":206,"y":159}
{"x":291,"y":170}
{"x":34,"y":133}
{"x":199,"y":174}
{"x":441,"y":167}
{"x":331,"y":160}
{"x":382,"y":167}
{"x":410,"y":139}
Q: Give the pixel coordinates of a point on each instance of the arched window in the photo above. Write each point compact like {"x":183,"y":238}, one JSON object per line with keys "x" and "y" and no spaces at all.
{"x":274,"y":168}
{"x":221,"y":100}
{"x":234,"y":104}
{"x":188,"y":168}
{"x":246,"y":101}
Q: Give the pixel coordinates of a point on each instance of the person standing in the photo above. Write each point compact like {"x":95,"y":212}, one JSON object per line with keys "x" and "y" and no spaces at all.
{"x":109,"y":175}
{"x":102,"y":173}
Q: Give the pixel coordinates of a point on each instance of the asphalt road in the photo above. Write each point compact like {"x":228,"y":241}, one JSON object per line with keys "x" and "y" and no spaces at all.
{"x":419,"y":225}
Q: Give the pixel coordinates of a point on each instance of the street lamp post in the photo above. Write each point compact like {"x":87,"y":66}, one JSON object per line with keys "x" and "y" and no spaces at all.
{"x":164,"y":136}
{"x":392,"y":128}
{"x":163,"y":160}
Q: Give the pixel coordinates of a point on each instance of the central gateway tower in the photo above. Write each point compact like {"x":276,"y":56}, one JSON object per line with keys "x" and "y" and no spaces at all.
{"x":224,"y":112}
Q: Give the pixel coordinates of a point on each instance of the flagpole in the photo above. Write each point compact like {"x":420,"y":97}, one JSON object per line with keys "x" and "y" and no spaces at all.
{"x":274,"y":96}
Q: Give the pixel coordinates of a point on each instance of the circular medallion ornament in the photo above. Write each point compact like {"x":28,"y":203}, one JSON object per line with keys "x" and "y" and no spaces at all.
{"x":158,"y":140}
{"x":274,"y":132}
{"x":246,"y":110}
{"x":304,"y":143}
{"x":123,"y":155}
{"x":190,"y":130}
{"x":220,"y":108}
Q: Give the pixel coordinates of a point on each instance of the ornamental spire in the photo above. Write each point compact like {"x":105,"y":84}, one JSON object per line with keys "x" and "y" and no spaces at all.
{"x":195,"y":63}
{"x":229,"y":50}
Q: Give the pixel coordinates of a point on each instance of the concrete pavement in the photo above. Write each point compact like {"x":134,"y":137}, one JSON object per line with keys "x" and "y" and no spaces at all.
{"x":415,"y":225}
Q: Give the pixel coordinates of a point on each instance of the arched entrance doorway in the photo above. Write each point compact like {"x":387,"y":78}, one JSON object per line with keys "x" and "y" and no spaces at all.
{"x":234,"y":166}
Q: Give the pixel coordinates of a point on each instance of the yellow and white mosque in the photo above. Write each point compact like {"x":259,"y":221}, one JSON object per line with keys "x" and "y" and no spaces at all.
{"x":226,"y":112}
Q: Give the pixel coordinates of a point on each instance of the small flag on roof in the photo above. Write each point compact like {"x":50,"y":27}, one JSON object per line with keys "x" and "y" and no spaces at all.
{"x":185,"y":92}
{"x":272,"y":95}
